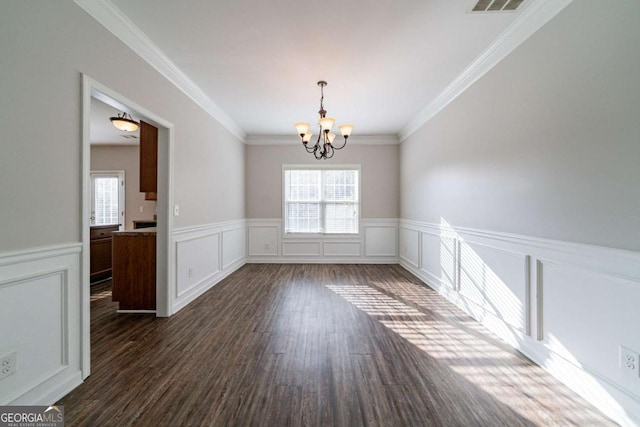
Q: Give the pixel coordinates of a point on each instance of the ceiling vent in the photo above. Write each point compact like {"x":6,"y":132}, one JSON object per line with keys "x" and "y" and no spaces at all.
{"x":495,"y":5}
{"x":129,"y":136}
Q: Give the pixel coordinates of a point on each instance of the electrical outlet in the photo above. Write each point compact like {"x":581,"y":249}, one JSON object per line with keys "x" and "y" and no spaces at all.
{"x":629,"y":361}
{"x":8,"y":364}
{"x":176,"y":210}
{"x":190,"y":271}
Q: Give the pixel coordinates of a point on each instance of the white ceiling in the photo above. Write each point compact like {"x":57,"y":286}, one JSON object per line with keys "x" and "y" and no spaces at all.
{"x":259,"y":61}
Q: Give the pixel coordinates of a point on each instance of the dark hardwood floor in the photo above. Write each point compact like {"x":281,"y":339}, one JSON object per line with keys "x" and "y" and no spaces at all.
{"x":340,"y":345}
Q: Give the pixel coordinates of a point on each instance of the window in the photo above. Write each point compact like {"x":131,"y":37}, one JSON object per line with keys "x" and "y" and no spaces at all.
{"x":321,"y":200}
{"x":107,"y":198}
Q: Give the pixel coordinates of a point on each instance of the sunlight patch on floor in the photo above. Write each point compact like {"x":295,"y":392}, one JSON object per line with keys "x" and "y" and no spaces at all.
{"x":445,"y":333}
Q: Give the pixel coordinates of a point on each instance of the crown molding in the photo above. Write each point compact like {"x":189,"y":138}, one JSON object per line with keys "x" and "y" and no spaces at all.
{"x":112,"y":18}
{"x":528,"y":22}
{"x":295,"y":140}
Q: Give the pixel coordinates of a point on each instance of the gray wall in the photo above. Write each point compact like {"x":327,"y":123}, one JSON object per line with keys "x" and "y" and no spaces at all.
{"x":126,"y":158}
{"x":547,"y":143}
{"x":45,"y":47}
{"x":380,"y":177}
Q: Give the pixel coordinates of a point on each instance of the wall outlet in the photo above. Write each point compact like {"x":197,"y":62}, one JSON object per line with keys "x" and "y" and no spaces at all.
{"x":8,"y":364}
{"x":190,"y":271}
{"x":629,"y":361}
{"x":141,"y":209}
{"x":176,"y":210}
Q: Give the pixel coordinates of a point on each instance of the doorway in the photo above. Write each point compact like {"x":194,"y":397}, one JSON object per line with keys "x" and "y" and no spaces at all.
{"x":92,"y":89}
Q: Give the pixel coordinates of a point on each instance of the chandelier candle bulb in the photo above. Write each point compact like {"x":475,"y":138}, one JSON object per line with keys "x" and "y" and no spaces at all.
{"x":323,"y":148}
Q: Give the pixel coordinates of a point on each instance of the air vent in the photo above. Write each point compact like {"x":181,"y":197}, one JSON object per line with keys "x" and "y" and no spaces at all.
{"x":129,"y":136}
{"x":496,"y":5}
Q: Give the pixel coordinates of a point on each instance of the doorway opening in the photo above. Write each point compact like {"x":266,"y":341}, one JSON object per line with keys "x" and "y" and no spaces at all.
{"x":164,"y":266}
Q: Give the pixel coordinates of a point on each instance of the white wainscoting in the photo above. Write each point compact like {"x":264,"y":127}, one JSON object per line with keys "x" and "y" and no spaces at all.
{"x":204,"y":256}
{"x":40,"y":321}
{"x":567,"y":306}
{"x":377,"y":242}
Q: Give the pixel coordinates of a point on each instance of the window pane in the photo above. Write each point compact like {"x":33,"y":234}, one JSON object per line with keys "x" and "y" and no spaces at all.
{"x":106,"y":200}
{"x":341,"y":218}
{"x":303,"y":185}
{"x":303,"y":218}
{"x":340,"y":185}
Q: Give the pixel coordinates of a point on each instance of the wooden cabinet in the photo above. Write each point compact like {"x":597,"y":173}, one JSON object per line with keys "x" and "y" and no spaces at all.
{"x":148,"y":160}
{"x":134,"y":269}
{"x":100,"y":242}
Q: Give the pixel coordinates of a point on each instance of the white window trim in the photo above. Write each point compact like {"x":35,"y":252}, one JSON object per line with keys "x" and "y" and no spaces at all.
{"x":335,"y":236}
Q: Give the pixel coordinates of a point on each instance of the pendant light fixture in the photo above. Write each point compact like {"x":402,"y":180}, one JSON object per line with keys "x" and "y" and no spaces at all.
{"x":324,"y":147}
{"x":125,"y":123}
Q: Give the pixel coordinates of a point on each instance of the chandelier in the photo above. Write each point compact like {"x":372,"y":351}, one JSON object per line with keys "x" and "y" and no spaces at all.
{"x":324,"y":147}
{"x":125,"y":123}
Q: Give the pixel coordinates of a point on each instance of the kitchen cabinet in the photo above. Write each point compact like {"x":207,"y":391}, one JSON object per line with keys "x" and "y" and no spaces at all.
{"x":134,"y":269}
{"x":100,"y":242}
{"x":148,"y":160}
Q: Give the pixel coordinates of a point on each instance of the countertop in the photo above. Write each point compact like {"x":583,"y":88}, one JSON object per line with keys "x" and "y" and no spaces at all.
{"x":151,"y":231}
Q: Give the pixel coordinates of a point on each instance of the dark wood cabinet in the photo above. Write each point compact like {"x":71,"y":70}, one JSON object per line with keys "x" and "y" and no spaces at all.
{"x":148,"y":160}
{"x":134,"y":269}
{"x":100,"y":242}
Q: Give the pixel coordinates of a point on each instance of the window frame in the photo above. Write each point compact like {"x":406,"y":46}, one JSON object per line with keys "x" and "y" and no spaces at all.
{"x":300,"y":235}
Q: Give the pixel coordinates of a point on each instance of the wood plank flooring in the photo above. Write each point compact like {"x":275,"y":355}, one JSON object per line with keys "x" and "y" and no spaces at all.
{"x":312,"y":345}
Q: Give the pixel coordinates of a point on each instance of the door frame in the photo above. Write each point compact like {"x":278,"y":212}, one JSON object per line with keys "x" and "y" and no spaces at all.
{"x":165,"y":260}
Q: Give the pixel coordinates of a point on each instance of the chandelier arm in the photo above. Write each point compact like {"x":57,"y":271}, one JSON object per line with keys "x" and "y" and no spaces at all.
{"x":342,"y":146}
{"x":309,"y":150}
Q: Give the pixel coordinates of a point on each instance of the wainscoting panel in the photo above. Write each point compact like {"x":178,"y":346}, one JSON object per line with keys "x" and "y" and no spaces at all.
{"x":204,"y":256}
{"x":496,"y":282}
{"x":410,"y":246}
{"x":567,"y":306}
{"x":233,"y":246}
{"x":341,"y":249}
{"x":263,"y":239}
{"x":197,"y":259}
{"x":381,"y":240}
{"x":438,"y":261}
{"x":301,"y":249}
{"x":586,"y":316}
{"x":40,"y":322}
{"x":377,"y":242}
